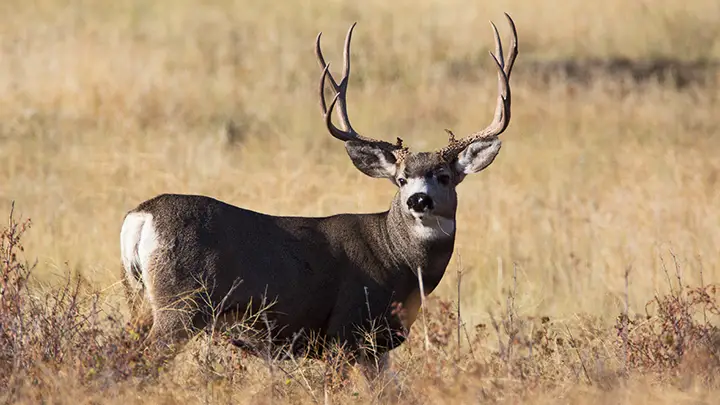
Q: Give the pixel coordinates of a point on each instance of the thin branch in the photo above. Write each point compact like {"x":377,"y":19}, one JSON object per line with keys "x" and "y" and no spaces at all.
{"x":582,"y":363}
{"x":626,"y":321}
{"x":422,"y":308}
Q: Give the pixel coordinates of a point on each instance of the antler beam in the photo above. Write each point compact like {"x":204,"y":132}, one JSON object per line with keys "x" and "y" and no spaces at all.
{"x":347,"y":133}
{"x":501,"y":118}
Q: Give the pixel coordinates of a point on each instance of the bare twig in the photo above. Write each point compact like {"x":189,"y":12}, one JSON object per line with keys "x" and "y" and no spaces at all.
{"x":582,"y":363}
{"x":678,"y":270}
{"x":667,"y":275}
{"x":702,"y":286}
{"x":459,"y":317}
{"x":269,"y":358}
{"x":220,"y":308}
{"x":461,"y":323}
{"x":499,"y":277}
{"x":367,"y":303}
{"x":626,"y":321}
{"x":511,"y":297}
{"x":422,"y":308}
{"x":306,"y":386}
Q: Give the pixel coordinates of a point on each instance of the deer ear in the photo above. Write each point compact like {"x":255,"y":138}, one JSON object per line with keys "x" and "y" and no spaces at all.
{"x":372,"y":160}
{"x":477,"y":156}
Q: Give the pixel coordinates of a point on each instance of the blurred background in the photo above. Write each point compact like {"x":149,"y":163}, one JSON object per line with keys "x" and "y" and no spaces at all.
{"x":611,"y":161}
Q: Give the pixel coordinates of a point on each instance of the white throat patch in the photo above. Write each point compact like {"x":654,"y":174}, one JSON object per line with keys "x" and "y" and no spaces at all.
{"x":429,"y":227}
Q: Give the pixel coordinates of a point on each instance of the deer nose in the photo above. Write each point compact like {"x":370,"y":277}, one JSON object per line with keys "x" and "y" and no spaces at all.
{"x":420,"y":202}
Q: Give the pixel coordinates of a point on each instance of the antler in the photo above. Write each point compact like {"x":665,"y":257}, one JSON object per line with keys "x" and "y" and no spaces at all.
{"x":340,"y":89}
{"x":502,"y":109}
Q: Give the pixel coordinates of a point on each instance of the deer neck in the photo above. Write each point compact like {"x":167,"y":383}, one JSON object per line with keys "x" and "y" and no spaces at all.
{"x":426,"y":244}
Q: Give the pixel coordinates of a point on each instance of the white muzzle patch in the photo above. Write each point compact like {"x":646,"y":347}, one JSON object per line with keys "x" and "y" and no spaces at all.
{"x":427,"y":226}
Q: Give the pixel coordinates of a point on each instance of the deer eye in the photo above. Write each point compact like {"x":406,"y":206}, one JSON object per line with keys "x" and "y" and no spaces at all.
{"x":401,"y":181}
{"x":443,"y":179}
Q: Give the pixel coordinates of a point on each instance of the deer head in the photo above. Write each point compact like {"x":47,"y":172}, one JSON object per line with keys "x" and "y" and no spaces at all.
{"x":426,"y":180}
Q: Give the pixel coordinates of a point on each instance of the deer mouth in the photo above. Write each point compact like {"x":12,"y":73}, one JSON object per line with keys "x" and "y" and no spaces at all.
{"x":428,"y":217}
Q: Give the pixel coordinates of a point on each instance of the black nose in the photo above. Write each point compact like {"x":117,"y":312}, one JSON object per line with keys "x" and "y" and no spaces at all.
{"x":420,"y":202}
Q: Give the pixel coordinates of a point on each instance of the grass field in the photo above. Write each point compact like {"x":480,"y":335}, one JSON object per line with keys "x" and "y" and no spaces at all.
{"x":106,"y":104}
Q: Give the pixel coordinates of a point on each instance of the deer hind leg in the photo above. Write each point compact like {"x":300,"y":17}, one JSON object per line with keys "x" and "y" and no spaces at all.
{"x":151,"y":295}
{"x":170,"y":329}
{"x":175,"y":308}
{"x":140,"y":311}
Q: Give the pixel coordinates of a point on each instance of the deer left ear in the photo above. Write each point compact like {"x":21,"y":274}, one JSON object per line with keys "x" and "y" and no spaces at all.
{"x":476,"y":157}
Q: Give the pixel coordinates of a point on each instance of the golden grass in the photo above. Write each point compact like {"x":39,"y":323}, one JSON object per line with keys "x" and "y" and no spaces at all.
{"x":106,"y":104}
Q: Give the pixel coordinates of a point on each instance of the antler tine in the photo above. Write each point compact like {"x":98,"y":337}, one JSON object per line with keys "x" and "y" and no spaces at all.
{"x":352,"y":135}
{"x":501,"y":117}
{"x":346,"y":54}
{"x":342,"y":108}
{"x":498,"y":56}
{"x":323,"y":104}
{"x":513,"y":47}
{"x":340,"y":89}
{"x":321,"y":61}
{"x":334,"y":131}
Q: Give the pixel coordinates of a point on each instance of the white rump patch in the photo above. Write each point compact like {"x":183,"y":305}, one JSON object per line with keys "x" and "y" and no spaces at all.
{"x":138,"y":242}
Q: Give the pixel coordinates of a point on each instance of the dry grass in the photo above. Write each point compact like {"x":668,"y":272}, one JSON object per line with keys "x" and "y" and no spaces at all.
{"x":105,"y":104}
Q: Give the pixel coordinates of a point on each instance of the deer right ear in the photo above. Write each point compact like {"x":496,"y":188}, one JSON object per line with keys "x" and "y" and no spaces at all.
{"x":476,"y":157}
{"x":372,"y":160}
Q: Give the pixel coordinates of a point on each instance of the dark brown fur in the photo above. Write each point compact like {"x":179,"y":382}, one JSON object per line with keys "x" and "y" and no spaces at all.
{"x":322,"y":273}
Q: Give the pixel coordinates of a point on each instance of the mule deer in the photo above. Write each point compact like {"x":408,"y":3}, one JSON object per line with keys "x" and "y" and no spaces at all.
{"x":329,"y":277}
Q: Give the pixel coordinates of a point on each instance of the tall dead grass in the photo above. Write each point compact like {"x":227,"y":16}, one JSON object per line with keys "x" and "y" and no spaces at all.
{"x":57,"y":345}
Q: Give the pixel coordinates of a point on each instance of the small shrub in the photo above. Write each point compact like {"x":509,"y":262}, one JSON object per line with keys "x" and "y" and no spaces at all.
{"x":680,"y":326}
{"x":45,"y":330}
